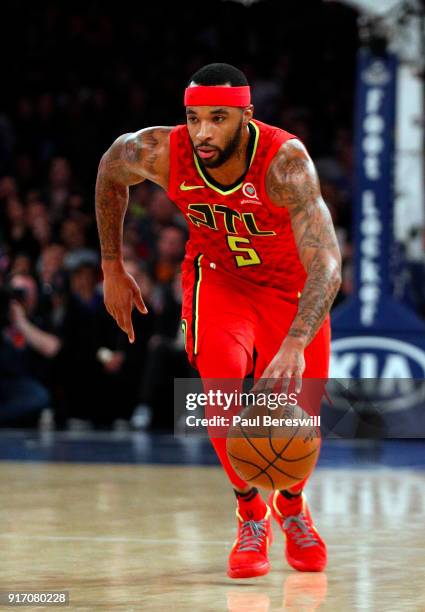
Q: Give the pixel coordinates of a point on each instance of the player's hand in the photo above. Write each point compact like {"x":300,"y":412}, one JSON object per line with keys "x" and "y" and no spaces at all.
{"x":120,"y":294}
{"x":287,"y":364}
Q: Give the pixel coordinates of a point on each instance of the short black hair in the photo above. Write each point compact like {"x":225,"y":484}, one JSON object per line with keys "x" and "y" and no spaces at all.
{"x":219,"y":74}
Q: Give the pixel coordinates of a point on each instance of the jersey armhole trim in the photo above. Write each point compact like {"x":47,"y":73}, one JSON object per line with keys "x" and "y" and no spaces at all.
{"x":172,"y":164}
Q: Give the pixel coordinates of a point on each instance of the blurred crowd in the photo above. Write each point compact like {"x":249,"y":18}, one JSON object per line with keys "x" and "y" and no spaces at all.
{"x":81,"y":76}
{"x":59,"y":348}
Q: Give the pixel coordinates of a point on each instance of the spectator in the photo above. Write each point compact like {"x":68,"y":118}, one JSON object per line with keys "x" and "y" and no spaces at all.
{"x":22,"y":395}
{"x":167,"y":358}
{"x":21,"y":264}
{"x":160,"y":213}
{"x":59,"y":187}
{"x":72,"y":235}
{"x":88,"y":378}
{"x":8,"y":188}
{"x":169,"y":253}
{"x":17,"y":234}
{"x":50,"y":262}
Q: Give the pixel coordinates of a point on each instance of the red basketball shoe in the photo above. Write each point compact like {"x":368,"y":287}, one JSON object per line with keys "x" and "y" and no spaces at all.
{"x":305,"y":550}
{"x":249,"y":555}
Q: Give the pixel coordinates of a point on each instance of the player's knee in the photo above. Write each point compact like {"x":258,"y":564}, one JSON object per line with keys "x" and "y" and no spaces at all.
{"x":221,"y":355}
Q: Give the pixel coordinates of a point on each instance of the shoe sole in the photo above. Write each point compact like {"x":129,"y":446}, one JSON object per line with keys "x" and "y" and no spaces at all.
{"x":249,"y":572}
{"x":300,"y":567}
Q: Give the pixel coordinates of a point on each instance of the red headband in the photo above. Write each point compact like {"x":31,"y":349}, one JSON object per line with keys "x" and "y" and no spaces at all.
{"x":213,"y":95}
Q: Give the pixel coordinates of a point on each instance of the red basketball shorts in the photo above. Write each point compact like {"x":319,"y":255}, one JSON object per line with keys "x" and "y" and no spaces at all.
{"x":226,"y":321}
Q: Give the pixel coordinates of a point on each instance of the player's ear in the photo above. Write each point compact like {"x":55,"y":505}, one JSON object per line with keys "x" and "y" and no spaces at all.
{"x":248,"y":113}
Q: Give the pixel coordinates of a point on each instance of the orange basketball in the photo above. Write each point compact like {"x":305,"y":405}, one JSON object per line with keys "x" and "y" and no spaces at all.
{"x":273,"y":449}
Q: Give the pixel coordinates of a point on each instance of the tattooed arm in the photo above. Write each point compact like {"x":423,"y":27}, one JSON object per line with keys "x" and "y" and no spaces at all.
{"x":292,"y":182}
{"x":131,"y":159}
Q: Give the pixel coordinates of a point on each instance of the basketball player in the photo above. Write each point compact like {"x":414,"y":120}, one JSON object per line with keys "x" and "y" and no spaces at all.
{"x":261,"y":270}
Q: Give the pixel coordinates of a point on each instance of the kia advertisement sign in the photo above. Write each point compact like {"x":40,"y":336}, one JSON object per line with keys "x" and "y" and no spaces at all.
{"x":376,"y":357}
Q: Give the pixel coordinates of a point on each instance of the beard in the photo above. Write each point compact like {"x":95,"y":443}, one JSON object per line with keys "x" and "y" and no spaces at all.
{"x":225,"y":153}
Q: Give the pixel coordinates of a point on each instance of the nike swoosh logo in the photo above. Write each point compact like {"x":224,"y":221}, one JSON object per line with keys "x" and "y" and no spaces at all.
{"x":184,"y":187}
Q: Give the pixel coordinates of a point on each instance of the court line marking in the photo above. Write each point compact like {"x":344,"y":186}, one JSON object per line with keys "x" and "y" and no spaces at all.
{"x":112,"y":539}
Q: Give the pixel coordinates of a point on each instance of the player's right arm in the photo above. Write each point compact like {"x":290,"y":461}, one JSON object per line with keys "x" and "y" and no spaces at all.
{"x":131,"y":159}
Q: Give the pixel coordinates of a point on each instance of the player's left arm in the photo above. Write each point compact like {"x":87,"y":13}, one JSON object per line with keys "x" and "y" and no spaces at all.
{"x":292,"y":182}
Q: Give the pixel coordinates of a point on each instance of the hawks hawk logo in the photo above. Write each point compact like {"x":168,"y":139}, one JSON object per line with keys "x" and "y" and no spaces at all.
{"x":249,"y":191}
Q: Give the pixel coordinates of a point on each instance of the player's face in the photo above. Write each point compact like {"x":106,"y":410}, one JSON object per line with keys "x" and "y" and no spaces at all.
{"x":216,"y":132}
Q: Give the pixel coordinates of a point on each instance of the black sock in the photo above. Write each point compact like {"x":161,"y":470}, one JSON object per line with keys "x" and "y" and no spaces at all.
{"x":248,"y":496}
{"x":289,"y":495}
{"x":251,"y":506}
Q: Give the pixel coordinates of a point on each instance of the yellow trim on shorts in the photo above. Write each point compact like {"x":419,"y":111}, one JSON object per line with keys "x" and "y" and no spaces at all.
{"x":184,"y":330}
{"x":198,"y":272}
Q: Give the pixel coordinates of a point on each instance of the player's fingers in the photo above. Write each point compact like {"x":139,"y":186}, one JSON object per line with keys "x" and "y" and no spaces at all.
{"x":113,"y":313}
{"x":138,"y":300}
{"x":121,"y":326}
{"x":120,"y":321}
{"x":271,"y":381}
{"x":286,"y":379}
{"x":298,"y":377}
{"x":130,"y":331}
{"x":267,"y":382}
{"x":259,"y":385}
{"x":128,"y":324}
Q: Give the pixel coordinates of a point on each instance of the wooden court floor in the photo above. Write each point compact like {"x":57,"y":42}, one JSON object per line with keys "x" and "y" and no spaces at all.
{"x":156,"y":538}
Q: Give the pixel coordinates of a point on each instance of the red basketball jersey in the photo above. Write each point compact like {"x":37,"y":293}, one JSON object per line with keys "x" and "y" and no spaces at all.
{"x":237,"y":229}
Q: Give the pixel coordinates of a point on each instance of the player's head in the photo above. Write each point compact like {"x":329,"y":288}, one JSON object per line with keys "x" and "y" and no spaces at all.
{"x":218,"y":109}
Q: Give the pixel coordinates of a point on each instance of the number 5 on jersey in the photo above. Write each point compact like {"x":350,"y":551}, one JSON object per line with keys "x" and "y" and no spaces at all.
{"x":250,"y":257}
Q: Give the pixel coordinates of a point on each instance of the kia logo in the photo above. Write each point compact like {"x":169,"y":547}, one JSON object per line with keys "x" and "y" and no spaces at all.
{"x":391,"y":371}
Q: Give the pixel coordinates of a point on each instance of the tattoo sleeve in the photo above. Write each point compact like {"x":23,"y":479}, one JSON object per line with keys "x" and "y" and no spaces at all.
{"x":131,"y":159}
{"x":292,"y":182}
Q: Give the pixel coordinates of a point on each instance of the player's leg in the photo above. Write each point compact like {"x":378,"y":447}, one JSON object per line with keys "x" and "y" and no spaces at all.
{"x":222,"y":347}
{"x":223,"y":362}
{"x":219,"y":334}
{"x":305,"y":549}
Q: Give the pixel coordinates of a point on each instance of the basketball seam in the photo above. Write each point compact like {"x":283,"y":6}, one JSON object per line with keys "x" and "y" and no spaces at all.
{"x":270,"y":463}
{"x":277,"y":455}
{"x":255,"y":465}
{"x":270,"y":439}
{"x":299,"y":458}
